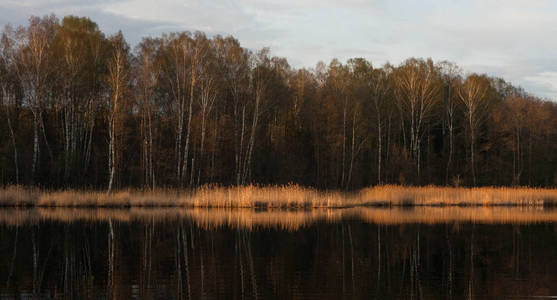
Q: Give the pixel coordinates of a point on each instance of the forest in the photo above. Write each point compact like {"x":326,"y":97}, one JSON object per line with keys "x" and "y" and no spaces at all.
{"x":80,"y":109}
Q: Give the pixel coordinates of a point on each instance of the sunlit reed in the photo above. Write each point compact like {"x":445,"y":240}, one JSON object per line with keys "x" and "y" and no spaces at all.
{"x":289,"y":196}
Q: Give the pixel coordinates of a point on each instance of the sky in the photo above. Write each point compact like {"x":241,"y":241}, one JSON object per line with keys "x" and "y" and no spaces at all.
{"x":512,"y":39}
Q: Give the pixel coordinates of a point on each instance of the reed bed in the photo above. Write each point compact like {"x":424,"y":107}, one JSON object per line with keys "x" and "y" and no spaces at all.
{"x":289,"y":196}
{"x":19,"y":196}
{"x":289,"y":220}
{"x":451,"y":196}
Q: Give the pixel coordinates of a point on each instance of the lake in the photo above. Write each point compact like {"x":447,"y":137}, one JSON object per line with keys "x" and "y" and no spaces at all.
{"x":358,"y":253}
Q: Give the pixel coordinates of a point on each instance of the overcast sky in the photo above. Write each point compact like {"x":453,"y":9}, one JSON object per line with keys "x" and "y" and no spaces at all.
{"x":513,"y":39}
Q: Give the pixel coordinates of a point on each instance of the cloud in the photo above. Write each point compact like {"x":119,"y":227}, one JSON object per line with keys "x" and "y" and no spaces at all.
{"x":545,"y":82}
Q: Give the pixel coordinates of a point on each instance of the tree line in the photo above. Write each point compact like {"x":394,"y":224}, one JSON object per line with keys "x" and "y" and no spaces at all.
{"x":81,"y":109}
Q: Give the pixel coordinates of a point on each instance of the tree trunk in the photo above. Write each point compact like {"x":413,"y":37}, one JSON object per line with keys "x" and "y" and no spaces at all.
{"x":188,"y":130}
{"x":90,"y":139}
{"x":241,"y":160}
{"x":379,"y":150}
{"x":144,"y":148}
{"x":450,"y":159}
{"x":112,"y":156}
{"x":352,"y":150}
{"x":36,"y":146}
{"x":50,"y":154}
{"x":202,"y":144}
{"x":472,"y":161}
{"x":215,"y":144}
{"x":247,"y":164}
{"x":343,"y":144}
{"x":111,"y":254}
{"x":12,"y":135}
{"x":379,"y":138}
{"x":151,"y":168}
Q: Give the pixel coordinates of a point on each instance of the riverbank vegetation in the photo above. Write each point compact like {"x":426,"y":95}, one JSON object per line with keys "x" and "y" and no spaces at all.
{"x":83,"y":110}
{"x":284,"y":197}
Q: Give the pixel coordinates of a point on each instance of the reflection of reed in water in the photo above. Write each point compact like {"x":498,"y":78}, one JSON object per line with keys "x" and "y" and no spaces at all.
{"x":202,"y":217}
{"x":435,"y":215}
{"x":252,"y":219}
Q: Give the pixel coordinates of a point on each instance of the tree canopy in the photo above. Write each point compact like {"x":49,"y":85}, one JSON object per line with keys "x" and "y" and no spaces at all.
{"x":82,"y":109}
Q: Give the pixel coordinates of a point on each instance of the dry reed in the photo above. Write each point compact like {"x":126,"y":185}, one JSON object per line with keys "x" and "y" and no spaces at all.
{"x":289,"y":196}
{"x":450,"y":196}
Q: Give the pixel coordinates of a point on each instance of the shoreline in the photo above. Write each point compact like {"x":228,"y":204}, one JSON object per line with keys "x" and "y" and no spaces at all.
{"x":283,"y":197}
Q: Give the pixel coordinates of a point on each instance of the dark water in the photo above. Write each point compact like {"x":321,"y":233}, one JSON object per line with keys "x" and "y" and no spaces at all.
{"x":347,"y":258}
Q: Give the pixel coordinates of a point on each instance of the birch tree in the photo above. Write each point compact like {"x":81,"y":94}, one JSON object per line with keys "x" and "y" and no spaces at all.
{"x":337,"y":83}
{"x":451,"y":75}
{"x":259,"y":81}
{"x":199,"y":53}
{"x":30,"y":46}
{"x":175,"y":70}
{"x":8,"y":99}
{"x":417,"y":94}
{"x":117,"y":81}
{"x":517,"y":107}
{"x":360,"y":74}
{"x":207,"y":99}
{"x":234,"y":68}
{"x":80,"y":46}
{"x":148,"y":72}
{"x":380,"y":87}
{"x":472,"y":93}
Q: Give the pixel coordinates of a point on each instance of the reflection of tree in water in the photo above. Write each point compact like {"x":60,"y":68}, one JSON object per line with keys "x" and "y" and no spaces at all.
{"x":12,"y":260}
{"x":348,"y":259}
{"x":111,"y":249}
{"x":146,"y":260}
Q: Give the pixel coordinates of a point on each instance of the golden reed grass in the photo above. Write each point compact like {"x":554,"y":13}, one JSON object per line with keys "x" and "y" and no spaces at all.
{"x":451,"y":196}
{"x":289,"y":220}
{"x":289,"y":196}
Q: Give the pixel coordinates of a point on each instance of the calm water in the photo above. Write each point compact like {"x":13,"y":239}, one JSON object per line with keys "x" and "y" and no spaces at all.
{"x":211,"y":254}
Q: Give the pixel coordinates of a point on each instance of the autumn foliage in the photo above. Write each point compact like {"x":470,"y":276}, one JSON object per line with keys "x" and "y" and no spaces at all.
{"x":85,"y":111}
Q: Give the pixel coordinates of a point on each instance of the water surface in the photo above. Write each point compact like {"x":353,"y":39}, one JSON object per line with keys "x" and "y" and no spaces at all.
{"x":364,"y":253}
